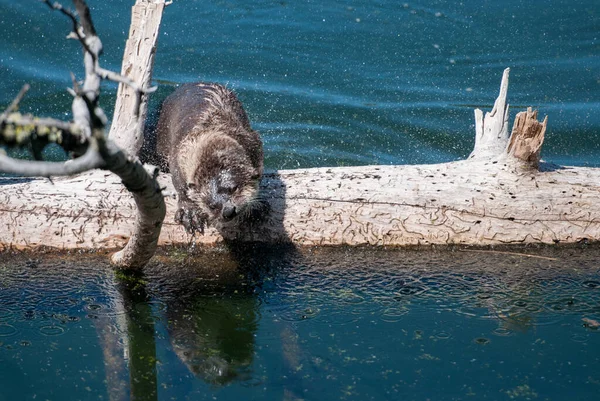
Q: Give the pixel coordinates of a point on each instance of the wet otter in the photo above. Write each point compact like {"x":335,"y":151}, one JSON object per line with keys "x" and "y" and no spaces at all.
{"x":214,"y":156}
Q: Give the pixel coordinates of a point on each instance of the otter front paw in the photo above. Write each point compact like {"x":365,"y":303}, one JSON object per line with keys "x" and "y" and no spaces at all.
{"x":192,"y":219}
{"x":257,"y":211}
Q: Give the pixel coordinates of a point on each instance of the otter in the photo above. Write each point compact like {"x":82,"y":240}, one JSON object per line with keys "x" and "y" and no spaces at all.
{"x":216,"y":159}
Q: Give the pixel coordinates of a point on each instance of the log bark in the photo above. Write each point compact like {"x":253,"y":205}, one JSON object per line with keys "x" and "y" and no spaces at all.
{"x":464,"y":202}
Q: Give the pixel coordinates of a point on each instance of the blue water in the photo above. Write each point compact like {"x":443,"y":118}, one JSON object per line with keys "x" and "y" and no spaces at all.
{"x":345,"y":82}
{"x":314,"y":325}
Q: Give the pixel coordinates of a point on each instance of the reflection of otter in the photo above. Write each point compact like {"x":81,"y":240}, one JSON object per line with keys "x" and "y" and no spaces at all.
{"x":215,"y":157}
{"x":214,"y":337}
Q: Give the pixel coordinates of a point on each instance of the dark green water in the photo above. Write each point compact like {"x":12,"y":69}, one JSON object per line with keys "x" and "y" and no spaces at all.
{"x":313,"y":325}
{"x":345,"y":82}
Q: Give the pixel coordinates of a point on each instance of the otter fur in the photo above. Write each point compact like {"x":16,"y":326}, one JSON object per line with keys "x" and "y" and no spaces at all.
{"x":214,"y":156}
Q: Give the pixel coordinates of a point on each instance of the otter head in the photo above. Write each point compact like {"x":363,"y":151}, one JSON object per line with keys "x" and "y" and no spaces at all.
{"x":224,"y":180}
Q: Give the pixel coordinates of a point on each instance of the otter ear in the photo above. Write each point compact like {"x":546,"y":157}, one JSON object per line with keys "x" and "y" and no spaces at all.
{"x":190,"y":185}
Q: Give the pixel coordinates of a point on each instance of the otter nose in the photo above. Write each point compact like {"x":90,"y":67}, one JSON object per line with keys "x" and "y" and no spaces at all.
{"x":228,"y":211}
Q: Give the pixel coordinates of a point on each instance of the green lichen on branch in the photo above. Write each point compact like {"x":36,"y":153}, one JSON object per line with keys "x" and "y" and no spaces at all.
{"x":19,"y":130}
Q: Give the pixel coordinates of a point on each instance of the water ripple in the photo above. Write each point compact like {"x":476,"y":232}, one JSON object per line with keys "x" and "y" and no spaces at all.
{"x":7,"y":330}
{"x":51,"y":330}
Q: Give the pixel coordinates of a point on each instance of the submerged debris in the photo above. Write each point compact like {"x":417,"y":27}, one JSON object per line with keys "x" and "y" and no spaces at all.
{"x":591,"y":323}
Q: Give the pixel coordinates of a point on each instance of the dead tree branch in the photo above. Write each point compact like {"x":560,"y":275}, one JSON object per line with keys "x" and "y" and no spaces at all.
{"x":87,"y":128}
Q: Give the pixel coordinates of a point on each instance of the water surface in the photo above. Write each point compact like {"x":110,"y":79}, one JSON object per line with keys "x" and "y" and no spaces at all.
{"x":333,"y":82}
{"x":311,"y":324}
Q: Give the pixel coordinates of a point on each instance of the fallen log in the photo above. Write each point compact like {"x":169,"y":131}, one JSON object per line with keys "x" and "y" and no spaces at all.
{"x":502,"y":194}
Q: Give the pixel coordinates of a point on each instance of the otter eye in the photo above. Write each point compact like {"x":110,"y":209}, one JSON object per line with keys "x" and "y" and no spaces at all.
{"x":228,"y":189}
{"x":190,"y":185}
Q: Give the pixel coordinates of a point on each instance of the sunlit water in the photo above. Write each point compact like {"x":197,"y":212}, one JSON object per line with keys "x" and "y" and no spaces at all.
{"x":313,"y":325}
{"x":331,"y":82}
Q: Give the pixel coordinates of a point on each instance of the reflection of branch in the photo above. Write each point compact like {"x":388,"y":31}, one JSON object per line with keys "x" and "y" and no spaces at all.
{"x":140,"y":332}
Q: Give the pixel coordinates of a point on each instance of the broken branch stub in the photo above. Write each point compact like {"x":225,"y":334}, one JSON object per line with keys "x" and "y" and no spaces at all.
{"x":527,"y":137}
{"x":491,"y":131}
{"x":127,"y":128}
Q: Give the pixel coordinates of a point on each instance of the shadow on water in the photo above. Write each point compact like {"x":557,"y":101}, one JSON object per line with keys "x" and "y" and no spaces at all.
{"x":212,"y":313}
{"x":210,"y":307}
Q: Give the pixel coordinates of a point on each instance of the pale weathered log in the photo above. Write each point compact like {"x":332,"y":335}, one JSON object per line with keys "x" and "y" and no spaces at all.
{"x":466,"y":202}
{"x":127,"y":127}
{"x":494,"y":197}
{"x":485,"y":200}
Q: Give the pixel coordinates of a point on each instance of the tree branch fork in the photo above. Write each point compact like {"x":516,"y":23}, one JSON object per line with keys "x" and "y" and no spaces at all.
{"x":85,"y":137}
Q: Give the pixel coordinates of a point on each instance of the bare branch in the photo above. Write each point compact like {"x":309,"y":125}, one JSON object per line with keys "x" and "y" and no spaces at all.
{"x":115,"y":77}
{"x":86,"y":135}
{"x":85,"y":18}
{"x":27,"y":168}
{"x":139,"y":91}
{"x":78,"y":35}
{"x":15,"y":103}
{"x":86,"y":34}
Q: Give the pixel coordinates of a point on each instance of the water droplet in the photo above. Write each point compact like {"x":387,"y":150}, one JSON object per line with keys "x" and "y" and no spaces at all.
{"x":502,"y":332}
{"x":442,"y":335}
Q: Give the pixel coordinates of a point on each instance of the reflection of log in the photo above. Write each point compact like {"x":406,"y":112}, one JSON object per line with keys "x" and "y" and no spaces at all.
{"x":493,"y":198}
